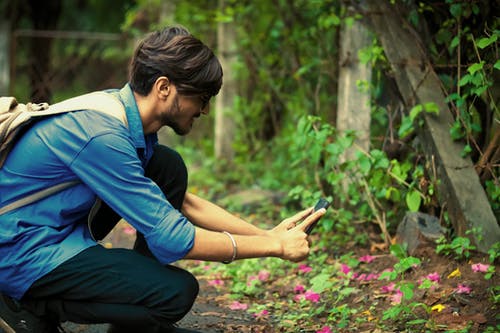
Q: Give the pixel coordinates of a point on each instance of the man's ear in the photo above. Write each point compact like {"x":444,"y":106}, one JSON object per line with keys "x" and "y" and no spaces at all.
{"x":162,"y":87}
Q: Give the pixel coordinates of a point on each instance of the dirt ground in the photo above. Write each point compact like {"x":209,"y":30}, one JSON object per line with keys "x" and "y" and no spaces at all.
{"x":475,"y":310}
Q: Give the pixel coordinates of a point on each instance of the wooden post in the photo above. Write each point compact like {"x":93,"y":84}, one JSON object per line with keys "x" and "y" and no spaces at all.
{"x":354,"y":108}
{"x":224,"y":124}
{"x":460,"y":191}
{"x":4,"y":58}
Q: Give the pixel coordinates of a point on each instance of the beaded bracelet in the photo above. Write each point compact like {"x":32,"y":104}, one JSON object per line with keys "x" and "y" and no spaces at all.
{"x":235,"y":248}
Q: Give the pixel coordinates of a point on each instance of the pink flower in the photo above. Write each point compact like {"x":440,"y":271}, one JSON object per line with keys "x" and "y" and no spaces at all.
{"x":372,"y":276}
{"x":304,"y":268}
{"x":311,"y":296}
{"x":206,"y":267}
{"x":238,"y":306}
{"x":250,"y":279}
{"x":299,"y":288}
{"x":367,"y":258}
{"x":324,"y":329}
{"x":483,"y":268}
{"x":263,"y":313}
{"x":345,"y":269}
{"x":361,"y":277}
{"x":263,"y":275}
{"x":463,"y":289}
{"x":308,"y":295}
{"x":216,"y":282}
{"x":129,"y":230}
{"x":396,"y":297}
{"x":388,"y":288}
{"x":434,"y":277}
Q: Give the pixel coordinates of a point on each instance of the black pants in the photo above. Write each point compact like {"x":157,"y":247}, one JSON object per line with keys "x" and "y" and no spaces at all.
{"x":121,"y":286}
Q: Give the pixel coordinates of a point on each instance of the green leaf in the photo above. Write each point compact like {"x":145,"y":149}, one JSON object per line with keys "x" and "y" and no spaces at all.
{"x":431,"y":107}
{"x":321,"y":282}
{"x":407,"y":290}
{"x":475,"y":67}
{"x":413,"y":200}
{"x":415,"y":111}
{"x":406,"y":127}
{"x":456,"y":131}
{"x":398,"y":251}
{"x":466,"y":151}
{"x":364,"y":165}
{"x":464,"y":80}
{"x":426,"y":284}
{"x":497,"y":65}
{"x":484,"y":42}
{"x":393,"y":194}
{"x":454,"y":43}
{"x":456,"y":10}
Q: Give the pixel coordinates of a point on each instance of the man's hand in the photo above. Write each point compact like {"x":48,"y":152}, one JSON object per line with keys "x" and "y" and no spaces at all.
{"x":294,"y":241}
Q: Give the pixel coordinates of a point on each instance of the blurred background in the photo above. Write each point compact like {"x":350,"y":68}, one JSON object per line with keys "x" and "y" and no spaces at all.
{"x":310,"y":105}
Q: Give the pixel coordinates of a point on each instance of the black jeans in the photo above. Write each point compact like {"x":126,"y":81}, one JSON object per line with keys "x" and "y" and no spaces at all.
{"x":121,"y":286}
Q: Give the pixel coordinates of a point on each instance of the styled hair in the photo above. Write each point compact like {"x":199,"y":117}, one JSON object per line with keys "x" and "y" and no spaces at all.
{"x":173,"y":52}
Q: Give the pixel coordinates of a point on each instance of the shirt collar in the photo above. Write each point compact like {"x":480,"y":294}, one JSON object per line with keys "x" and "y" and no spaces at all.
{"x":133,"y":116}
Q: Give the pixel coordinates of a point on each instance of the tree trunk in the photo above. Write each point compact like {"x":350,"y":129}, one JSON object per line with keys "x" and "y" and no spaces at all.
{"x":460,"y":191}
{"x":353,"y":111}
{"x":4,"y":58}
{"x":224,"y":124}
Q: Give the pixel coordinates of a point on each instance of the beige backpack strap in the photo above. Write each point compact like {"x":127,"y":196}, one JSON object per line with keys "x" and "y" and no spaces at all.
{"x":37,"y":196}
{"x":99,"y":101}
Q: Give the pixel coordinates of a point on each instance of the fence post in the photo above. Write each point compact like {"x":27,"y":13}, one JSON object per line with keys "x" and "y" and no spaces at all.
{"x":4,"y":58}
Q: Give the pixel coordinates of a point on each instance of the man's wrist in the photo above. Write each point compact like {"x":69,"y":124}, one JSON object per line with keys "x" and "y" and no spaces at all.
{"x":278,"y":249}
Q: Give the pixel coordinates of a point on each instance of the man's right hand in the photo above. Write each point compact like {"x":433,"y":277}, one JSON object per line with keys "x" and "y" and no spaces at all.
{"x":293,"y":236}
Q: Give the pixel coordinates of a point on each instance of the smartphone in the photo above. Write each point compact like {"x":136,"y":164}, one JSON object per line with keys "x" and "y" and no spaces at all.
{"x":322,"y":203}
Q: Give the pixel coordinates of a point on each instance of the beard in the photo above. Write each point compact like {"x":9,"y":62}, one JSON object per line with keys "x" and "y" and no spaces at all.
{"x":170,"y":119}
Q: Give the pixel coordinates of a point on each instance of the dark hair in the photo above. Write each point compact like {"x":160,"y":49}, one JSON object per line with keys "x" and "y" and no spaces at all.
{"x":173,"y":52}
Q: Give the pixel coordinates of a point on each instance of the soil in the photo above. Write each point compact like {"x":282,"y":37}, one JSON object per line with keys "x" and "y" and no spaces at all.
{"x":471,"y":312}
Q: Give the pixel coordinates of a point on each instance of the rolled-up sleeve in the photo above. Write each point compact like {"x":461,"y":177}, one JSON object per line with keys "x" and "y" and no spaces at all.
{"x":177,"y":231}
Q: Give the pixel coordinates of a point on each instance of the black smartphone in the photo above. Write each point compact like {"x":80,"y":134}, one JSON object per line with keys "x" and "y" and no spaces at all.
{"x":322,"y":203}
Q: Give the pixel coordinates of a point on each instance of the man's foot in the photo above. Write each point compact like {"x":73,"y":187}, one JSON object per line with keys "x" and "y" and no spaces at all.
{"x":15,"y":319}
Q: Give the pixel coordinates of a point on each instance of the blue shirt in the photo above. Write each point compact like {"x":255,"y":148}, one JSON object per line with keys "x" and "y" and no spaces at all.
{"x":109,"y":159}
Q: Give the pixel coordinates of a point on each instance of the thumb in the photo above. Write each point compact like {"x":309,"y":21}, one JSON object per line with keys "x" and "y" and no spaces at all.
{"x":311,"y":219}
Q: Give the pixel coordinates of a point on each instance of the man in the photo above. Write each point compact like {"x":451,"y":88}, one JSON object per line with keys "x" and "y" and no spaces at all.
{"x":51,"y":267}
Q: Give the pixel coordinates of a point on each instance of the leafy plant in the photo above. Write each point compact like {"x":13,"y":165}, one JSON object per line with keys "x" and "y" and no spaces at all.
{"x":494,"y":252}
{"x":460,"y":247}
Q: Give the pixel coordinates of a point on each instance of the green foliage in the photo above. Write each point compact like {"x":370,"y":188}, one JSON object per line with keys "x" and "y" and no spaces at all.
{"x":494,"y":252}
{"x":405,"y":263}
{"x":408,"y":123}
{"x":460,"y":247}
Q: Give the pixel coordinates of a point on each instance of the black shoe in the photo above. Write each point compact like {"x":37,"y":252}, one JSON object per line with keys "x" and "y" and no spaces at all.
{"x":15,"y":319}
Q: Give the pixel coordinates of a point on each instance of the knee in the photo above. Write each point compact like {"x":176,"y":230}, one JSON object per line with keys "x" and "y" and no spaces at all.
{"x":181,"y":303}
{"x":188,"y":294}
{"x":168,"y":170}
{"x":164,"y":162}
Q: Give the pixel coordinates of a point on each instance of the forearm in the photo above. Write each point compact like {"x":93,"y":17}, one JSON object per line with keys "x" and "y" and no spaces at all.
{"x":217,"y":246}
{"x":288,"y":242}
{"x":212,"y":217}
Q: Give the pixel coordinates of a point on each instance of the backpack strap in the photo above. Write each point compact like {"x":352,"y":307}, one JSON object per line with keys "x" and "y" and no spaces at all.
{"x":37,"y":196}
{"x":99,"y":101}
